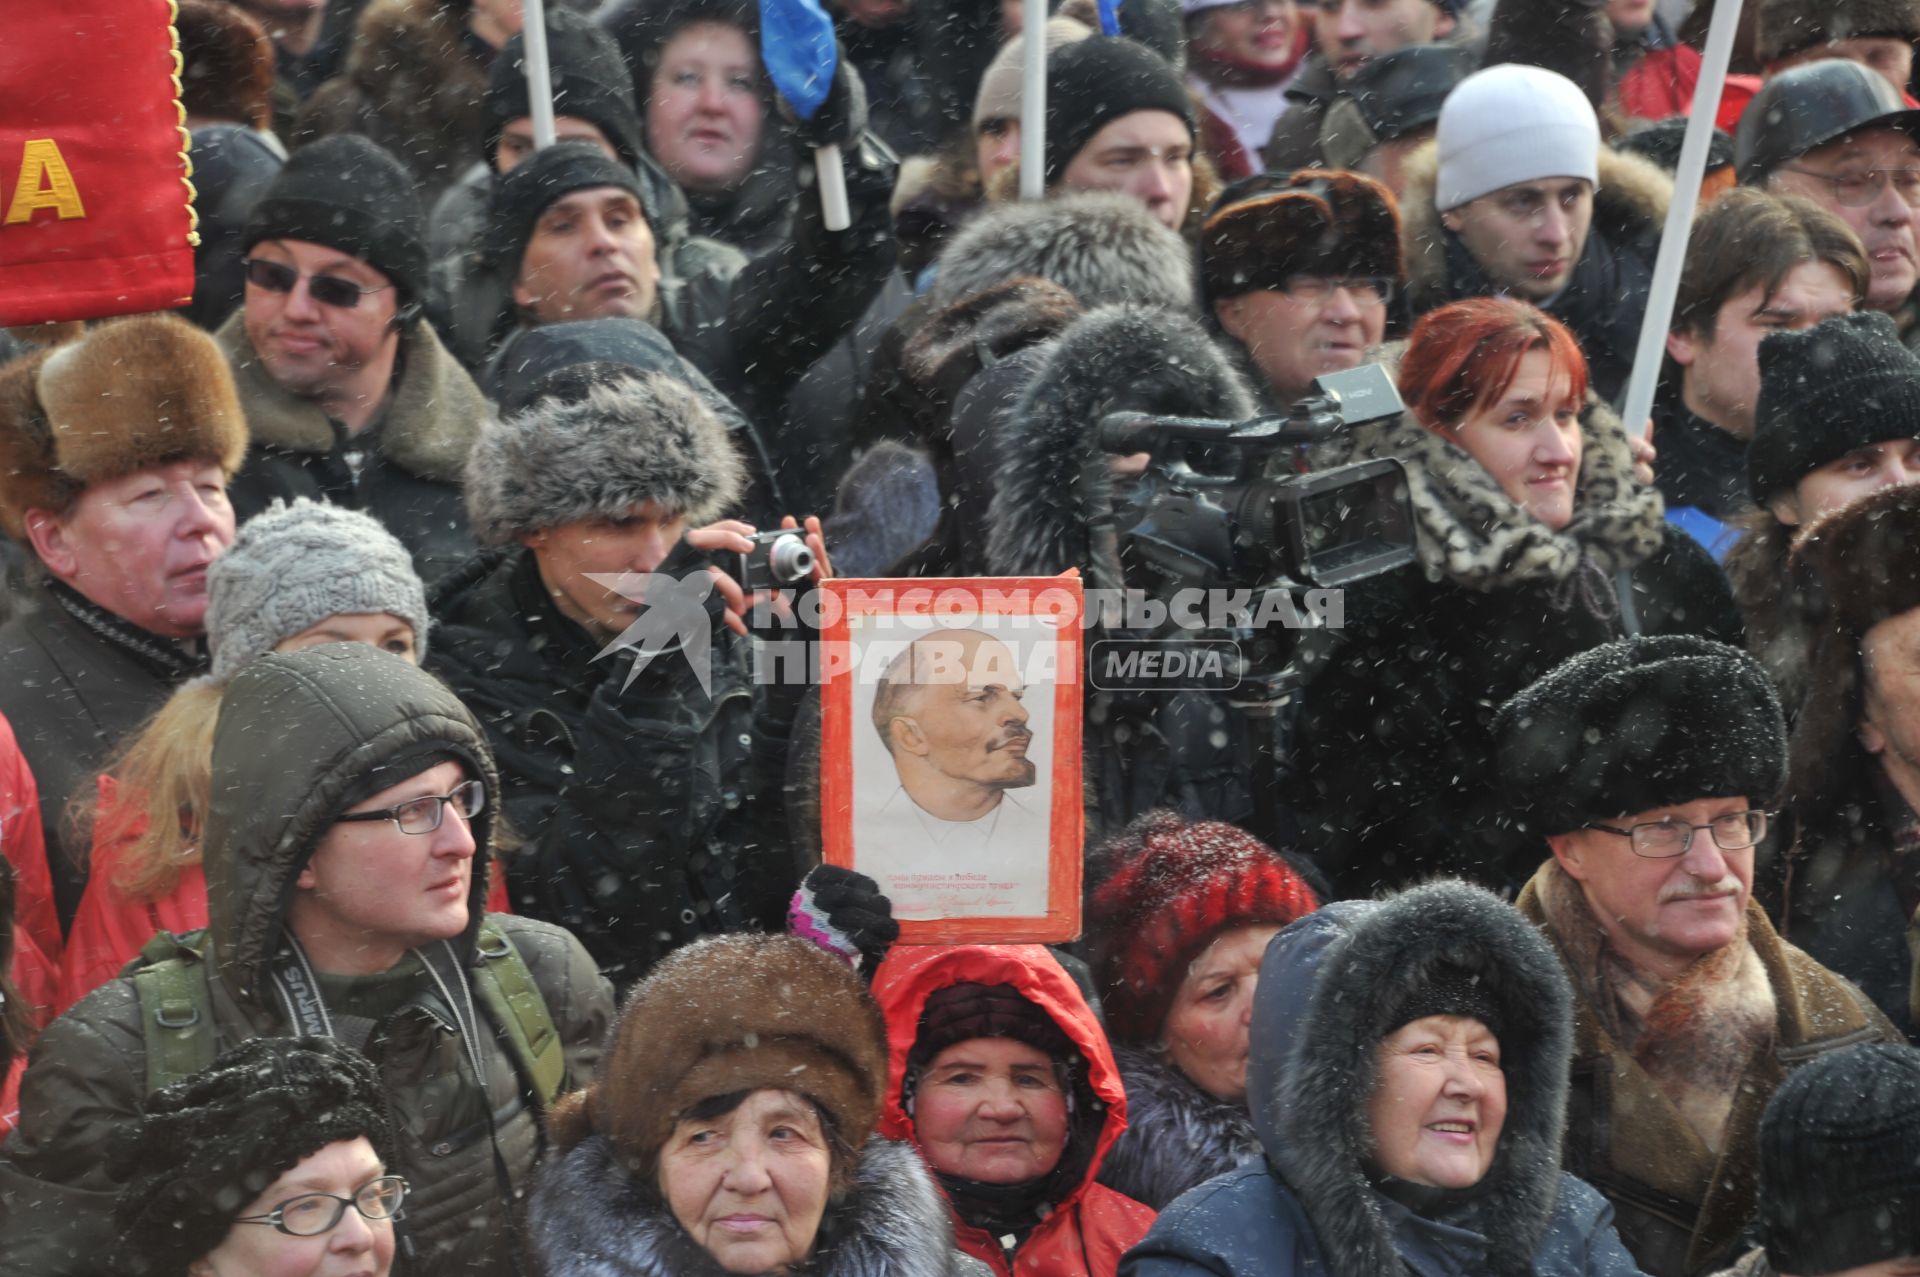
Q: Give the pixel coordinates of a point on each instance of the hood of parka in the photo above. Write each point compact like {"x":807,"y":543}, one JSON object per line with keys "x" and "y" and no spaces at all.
{"x":298,"y":735}
{"x":1330,"y":985}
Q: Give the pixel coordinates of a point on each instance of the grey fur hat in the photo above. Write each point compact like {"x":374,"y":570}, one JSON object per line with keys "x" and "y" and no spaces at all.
{"x":292,"y":566}
{"x":1103,"y":248}
{"x":623,"y":442}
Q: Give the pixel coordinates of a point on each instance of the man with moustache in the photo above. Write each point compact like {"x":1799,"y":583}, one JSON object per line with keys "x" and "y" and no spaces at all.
{"x":350,"y":396}
{"x":949,"y":712}
{"x":1647,"y":766}
{"x":1839,"y":134}
{"x":115,"y":452}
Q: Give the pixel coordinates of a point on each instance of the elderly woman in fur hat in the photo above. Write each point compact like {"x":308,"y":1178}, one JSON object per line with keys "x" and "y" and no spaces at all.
{"x":1409,"y":1085}
{"x":1179,"y":917}
{"x":1528,"y":505}
{"x":729,"y":1132}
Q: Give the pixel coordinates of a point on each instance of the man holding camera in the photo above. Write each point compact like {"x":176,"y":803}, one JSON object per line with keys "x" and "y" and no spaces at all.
{"x":605,"y":653}
{"x":349,"y":395}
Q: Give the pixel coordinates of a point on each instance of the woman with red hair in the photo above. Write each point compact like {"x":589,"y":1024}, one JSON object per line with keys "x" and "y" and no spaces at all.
{"x":1527,"y":507}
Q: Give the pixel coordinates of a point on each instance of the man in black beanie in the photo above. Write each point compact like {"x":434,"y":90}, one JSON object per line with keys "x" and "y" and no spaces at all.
{"x":349,"y":394}
{"x":1119,"y":119}
{"x":1646,"y":766}
{"x":1840,"y":1169}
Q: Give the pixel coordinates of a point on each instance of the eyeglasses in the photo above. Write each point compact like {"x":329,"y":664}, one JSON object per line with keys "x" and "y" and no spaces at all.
{"x":1665,"y":839}
{"x":1315,"y":290}
{"x":423,"y":815}
{"x":328,"y":290}
{"x":311,"y":1214}
{"x":1862,"y":187}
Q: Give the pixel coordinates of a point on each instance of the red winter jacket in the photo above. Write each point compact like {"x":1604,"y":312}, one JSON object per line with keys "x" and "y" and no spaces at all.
{"x":24,"y":843}
{"x":1093,"y":1226}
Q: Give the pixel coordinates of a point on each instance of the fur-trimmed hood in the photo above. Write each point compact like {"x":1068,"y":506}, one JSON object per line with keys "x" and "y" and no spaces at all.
{"x":1102,"y":248}
{"x":1054,"y":490}
{"x":1329,"y":987}
{"x":431,"y":421}
{"x":1474,"y":534}
{"x":588,"y":1218}
{"x":1629,"y":207}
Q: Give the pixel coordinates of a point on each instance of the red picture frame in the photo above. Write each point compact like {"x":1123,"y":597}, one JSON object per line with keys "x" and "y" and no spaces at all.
{"x":1049,"y":607}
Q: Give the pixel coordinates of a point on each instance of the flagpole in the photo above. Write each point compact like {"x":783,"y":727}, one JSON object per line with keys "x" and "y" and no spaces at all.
{"x":1636,"y":411}
{"x":1033,"y":100}
{"x":539,"y":72}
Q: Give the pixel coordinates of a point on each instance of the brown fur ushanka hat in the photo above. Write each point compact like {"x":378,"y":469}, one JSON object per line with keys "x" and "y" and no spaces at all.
{"x":725,"y":1014}
{"x":226,"y":64}
{"x":127,"y":396}
{"x":1315,"y":222}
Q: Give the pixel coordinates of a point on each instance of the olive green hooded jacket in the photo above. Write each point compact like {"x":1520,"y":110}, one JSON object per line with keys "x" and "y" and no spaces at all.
{"x":301,"y":738}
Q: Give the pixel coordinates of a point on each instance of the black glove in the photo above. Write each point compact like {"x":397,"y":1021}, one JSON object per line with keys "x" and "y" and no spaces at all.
{"x":841,"y":119}
{"x":844,"y":913}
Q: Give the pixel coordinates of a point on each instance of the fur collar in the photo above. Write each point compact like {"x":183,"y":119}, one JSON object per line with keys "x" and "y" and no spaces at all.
{"x":589,"y":1219}
{"x":1177,"y":1135}
{"x":1472,"y":533}
{"x":1630,"y":204}
{"x":1691,"y":1034}
{"x":431,"y":420}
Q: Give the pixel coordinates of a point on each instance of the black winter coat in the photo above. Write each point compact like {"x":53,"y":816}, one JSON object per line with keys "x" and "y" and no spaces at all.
{"x":1389,"y":772}
{"x":642,"y":810}
{"x":1177,"y":1136}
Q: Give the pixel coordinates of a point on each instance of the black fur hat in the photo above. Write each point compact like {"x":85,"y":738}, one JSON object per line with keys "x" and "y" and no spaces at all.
{"x":1637,"y":724}
{"x":209,"y":1144}
{"x":1842,"y":384}
{"x":1784,"y":27}
{"x":631,"y":439}
{"x":1316,"y":222}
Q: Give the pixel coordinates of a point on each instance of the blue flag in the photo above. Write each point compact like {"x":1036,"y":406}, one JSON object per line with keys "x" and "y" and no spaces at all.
{"x":797,"y":46}
{"x":1109,"y":16}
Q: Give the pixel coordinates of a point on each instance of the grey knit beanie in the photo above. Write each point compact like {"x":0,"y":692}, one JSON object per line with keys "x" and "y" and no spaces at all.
{"x":292,"y":566}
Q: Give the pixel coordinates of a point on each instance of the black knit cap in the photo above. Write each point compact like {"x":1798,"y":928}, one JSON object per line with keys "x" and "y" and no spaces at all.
{"x":1842,"y":384}
{"x":1840,"y":1162}
{"x":209,"y":1144}
{"x":1448,"y":990}
{"x":346,"y":193}
{"x":523,"y":195}
{"x":1092,"y":82}
{"x":590,"y":82}
{"x":963,"y":1012}
{"x":1637,"y":724}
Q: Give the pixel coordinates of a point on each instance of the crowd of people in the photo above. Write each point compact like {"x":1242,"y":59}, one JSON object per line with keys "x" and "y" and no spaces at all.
{"x":373,"y":902}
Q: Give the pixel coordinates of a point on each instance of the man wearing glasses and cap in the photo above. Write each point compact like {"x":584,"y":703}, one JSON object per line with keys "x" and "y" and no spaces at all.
{"x":1839,"y":134}
{"x":350,"y":396}
{"x":1646,"y":766}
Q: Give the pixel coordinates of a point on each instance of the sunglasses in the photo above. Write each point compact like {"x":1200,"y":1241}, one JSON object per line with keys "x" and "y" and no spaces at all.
{"x":328,"y":290}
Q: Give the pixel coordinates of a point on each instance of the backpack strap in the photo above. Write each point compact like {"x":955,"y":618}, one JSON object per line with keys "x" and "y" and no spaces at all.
{"x":518,"y":1009}
{"x":176,"y":1008}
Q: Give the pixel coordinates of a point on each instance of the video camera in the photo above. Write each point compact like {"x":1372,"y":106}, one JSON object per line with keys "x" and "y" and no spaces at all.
{"x":1207,"y":513}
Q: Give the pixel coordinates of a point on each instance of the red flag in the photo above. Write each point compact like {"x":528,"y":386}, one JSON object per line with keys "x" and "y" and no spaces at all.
{"x":95,"y":207}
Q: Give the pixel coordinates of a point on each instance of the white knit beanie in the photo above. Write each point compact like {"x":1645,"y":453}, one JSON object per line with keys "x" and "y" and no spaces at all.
{"x":1510,"y":124}
{"x":1000,"y":93}
{"x":292,"y":567}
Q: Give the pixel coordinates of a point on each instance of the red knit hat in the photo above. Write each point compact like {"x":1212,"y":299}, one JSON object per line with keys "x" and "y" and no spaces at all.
{"x":1167,"y":887}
